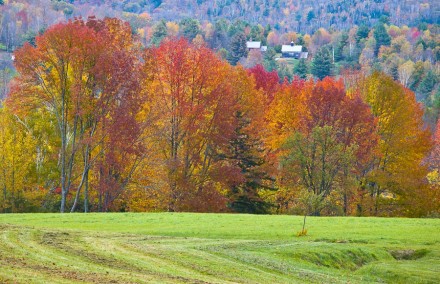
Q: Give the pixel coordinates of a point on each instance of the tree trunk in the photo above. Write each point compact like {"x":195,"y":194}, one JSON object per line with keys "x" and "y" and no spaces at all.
{"x":304,"y":222}
{"x":86,"y":194}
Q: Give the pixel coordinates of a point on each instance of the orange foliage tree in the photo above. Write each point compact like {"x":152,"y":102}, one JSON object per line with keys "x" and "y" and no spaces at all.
{"x":334,"y":140}
{"x":191,"y":99}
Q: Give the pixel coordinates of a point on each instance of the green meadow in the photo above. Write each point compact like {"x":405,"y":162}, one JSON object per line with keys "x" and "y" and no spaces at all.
{"x":216,"y":248}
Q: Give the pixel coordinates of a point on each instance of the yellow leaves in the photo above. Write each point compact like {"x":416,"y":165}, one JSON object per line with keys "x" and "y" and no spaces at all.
{"x":404,"y":141}
{"x":434,"y":177}
{"x":172,"y":29}
{"x":17,"y":159}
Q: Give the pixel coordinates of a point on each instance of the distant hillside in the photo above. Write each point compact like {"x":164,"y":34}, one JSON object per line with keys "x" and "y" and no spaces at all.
{"x":297,"y":15}
{"x":284,"y":15}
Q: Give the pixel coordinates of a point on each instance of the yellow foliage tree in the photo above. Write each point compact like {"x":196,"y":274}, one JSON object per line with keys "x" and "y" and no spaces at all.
{"x":397,"y":177}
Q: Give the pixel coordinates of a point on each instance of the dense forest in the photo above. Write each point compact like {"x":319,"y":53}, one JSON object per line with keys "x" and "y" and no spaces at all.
{"x":95,"y":122}
{"x":162,"y":107}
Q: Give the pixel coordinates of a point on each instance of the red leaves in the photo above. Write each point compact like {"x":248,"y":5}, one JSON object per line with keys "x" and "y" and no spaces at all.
{"x":266,"y":81}
{"x":351,"y":118}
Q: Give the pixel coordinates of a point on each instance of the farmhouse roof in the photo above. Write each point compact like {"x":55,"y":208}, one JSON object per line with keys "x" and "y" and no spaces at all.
{"x":253,"y":44}
{"x":291,"y":48}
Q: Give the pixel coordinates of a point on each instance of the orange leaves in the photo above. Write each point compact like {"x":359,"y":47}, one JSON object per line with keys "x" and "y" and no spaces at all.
{"x":284,"y":113}
{"x":192,"y":98}
{"x":304,"y":105}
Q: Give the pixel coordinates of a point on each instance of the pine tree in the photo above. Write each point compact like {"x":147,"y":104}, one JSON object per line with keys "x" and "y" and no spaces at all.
{"x":301,"y":69}
{"x":362,"y":33}
{"x":339,"y":49}
{"x":247,"y":153}
{"x":427,"y":84}
{"x":269,"y":62}
{"x":322,"y":64}
{"x":382,"y":38}
{"x":238,"y":48}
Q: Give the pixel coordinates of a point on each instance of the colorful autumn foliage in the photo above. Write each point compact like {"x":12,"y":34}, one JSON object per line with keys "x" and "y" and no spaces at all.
{"x":174,"y":127}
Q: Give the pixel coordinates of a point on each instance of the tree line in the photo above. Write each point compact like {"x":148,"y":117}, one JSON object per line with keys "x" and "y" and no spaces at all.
{"x":96,"y":122}
{"x":386,"y":37}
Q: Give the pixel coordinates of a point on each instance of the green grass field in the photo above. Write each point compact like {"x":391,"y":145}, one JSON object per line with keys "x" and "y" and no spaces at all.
{"x":216,"y":248}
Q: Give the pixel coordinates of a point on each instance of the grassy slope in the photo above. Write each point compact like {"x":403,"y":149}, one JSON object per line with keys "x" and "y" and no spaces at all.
{"x":215,"y":248}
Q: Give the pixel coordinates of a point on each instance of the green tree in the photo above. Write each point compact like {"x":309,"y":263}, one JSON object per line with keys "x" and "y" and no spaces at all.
{"x":427,"y":84}
{"x":189,"y":28}
{"x":339,"y":49}
{"x":160,"y":32}
{"x":238,"y":48}
{"x":318,"y":158}
{"x":301,"y":69}
{"x":269,"y":62}
{"x":322,"y":65}
{"x":362,"y":33}
{"x":382,"y":38}
{"x":247,"y":152}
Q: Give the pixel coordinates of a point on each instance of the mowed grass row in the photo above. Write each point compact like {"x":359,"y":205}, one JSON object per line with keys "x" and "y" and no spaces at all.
{"x":216,"y":248}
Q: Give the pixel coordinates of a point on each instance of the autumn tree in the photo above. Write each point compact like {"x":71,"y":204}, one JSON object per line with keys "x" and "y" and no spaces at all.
{"x":266,"y":81}
{"x":112,"y":146}
{"x":52,"y":76}
{"x":17,"y":154}
{"x":397,"y":174}
{"x":65,"y":74}
{"x":192,"y":103}
{"x":335,"y":139}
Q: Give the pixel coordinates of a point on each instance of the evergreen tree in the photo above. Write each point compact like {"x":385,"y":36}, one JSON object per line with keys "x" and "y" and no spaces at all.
{"x":427,"y":85}
{"x":362,"y":33}
{"x":219,"y":37}
{"x":382,"y":38}
{"x":322,"y":64}
{"x":339,"y":49}
{"x":160,"y":32}
{"x":394,"y":71}
{"x":247,"y":153}
{"x":301,"y":69}
{"x":269,"y":62}
{"x":238,"y":48}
